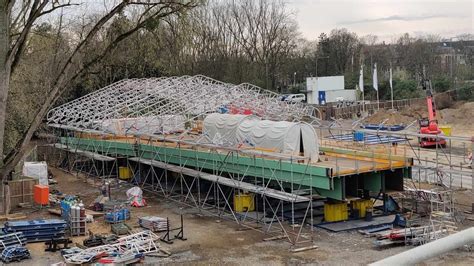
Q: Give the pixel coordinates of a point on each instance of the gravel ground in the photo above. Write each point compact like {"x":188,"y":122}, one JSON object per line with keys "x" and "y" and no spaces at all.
{"x":214,"y":241}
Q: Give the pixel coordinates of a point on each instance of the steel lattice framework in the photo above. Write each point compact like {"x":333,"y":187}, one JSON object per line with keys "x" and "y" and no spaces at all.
{"x":159,"y":105}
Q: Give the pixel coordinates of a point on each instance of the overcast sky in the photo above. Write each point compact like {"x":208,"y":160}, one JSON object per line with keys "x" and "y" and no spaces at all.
{"x":385,"y":18}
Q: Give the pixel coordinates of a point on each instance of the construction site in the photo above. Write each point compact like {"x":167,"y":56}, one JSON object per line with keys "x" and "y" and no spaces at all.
{"x":196,"y":171}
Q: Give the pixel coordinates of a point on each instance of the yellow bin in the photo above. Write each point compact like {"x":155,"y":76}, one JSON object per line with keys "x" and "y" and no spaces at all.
{"x":334,"y":212}
{"x":244,"y":202}
{"x":446,"y":130}
{"x":125,"y":173}
{"x":362,"y":205}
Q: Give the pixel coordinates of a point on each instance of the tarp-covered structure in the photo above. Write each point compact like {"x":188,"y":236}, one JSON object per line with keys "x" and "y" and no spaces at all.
{"x":295,"y":138}
{"x":164,"y":124}
{"x":222,"y":128}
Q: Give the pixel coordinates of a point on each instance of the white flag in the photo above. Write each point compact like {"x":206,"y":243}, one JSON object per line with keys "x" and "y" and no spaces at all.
{"x":361,"y":79}
{"x":391,"y":86}
{"x":375,"y":81}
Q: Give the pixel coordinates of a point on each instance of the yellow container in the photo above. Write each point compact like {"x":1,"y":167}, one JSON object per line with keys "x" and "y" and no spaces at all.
{"x":125,"y":173}
{"x":244,"y":202}
{"x":362,"y":205}
{"x":446,"y":130}
{"x":334,"y":212}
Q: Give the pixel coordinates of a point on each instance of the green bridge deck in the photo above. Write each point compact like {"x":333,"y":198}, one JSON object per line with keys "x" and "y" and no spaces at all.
{"x":320,"y":178}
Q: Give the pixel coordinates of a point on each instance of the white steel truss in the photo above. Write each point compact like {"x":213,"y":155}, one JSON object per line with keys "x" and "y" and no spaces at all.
{"x":126,"y":247}
{"x":164,"y":105}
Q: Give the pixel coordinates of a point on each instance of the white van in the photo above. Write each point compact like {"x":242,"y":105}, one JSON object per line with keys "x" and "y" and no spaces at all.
{"x":295,"y":98}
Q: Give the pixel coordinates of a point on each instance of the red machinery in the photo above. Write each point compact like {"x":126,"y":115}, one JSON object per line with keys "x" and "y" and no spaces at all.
{"x":429,"y":126}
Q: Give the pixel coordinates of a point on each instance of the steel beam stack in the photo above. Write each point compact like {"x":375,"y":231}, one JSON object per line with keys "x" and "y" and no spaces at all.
{"x":37,"y":230}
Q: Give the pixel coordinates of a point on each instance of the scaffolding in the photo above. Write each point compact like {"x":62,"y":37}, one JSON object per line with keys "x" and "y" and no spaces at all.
{"x":278,"y":202}
{"x":439,"y":222}
{"x":154,"y":127}
{"x":432,"y":213}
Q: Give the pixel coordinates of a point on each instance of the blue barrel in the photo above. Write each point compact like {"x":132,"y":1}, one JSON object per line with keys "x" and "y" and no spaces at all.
{"x":358,"y":136}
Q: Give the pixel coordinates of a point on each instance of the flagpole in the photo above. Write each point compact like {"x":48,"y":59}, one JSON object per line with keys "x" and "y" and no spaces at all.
{"x":391,"y":85}
{"x":378,"y":103}
{"x":363,"y":101}
{"x":361,"y":86}
{"x":375,"y":84}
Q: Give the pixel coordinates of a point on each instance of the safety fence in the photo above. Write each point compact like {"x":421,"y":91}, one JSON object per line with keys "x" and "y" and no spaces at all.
{"x":336,"y":111}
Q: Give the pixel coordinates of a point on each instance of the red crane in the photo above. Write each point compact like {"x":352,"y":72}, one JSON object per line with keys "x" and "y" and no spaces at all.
{"x":429,"y":126}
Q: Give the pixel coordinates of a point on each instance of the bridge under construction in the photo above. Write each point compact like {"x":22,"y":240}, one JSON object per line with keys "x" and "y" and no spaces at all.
{"x":235,"y":151}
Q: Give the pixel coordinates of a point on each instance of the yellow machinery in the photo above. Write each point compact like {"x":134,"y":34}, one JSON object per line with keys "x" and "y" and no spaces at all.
{"x":334,"y":212}
{"x":446,"y":130}
{"x":244,"y":202}
{"x":362,"y":205}
{"x":125,"y":173}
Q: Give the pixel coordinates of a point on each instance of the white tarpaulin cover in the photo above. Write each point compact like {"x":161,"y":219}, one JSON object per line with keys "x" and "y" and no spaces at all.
{"x":146,"y":124}
{"x":276,"y":136}
{"x":38,"y":170}
{"x":222,"y":128}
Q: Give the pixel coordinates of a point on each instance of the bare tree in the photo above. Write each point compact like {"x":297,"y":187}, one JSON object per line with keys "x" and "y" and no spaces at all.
{"x":16,"y":22}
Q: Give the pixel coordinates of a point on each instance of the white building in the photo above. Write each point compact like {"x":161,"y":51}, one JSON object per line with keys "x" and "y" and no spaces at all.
{"x":321,"y":90}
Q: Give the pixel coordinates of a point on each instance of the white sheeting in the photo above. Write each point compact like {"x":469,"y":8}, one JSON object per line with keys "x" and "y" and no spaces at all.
{"x":276,"y":136}
{"x":38,"y":170}
{"x":222,"y":128}
{"x":147,"y":124}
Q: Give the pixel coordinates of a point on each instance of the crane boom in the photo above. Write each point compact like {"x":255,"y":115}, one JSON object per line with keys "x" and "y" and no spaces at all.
{"x":430,"y":125}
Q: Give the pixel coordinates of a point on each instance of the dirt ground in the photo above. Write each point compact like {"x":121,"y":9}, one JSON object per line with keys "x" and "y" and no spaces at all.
{"x":214,"y":241}
{"x":458,"y":116}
